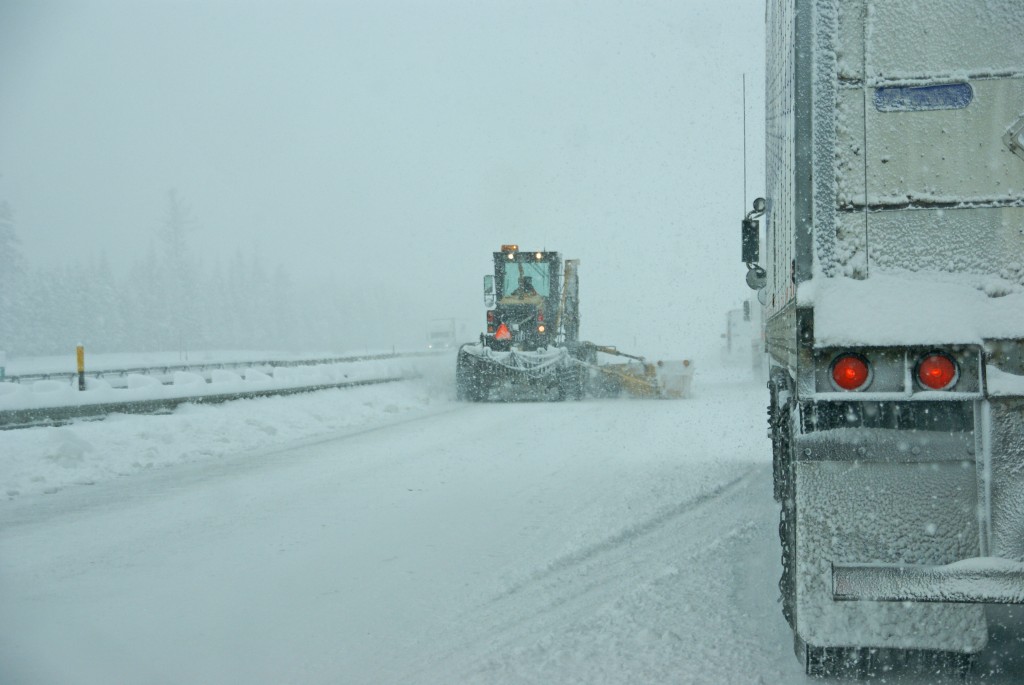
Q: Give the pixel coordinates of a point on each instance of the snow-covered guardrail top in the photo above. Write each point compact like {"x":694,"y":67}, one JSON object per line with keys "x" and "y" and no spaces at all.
{"x":50,"y":400}
{"x":116,"y":368}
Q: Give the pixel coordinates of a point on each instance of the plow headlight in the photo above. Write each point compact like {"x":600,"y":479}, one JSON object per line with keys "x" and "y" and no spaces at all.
{"x":937,"y":371}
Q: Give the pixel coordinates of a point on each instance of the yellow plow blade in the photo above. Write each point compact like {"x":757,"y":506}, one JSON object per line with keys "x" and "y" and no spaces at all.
{"x":663,"y":379}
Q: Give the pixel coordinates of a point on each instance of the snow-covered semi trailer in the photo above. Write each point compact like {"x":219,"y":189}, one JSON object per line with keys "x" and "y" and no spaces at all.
{"x":894,"y":320}
{"x":531,"y":347}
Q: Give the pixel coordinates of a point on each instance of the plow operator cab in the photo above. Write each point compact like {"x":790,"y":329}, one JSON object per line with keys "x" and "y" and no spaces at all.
{"x":522,"y":297}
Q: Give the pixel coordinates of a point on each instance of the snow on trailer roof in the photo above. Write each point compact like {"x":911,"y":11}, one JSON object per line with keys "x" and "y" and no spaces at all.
{"x":909,"y":309}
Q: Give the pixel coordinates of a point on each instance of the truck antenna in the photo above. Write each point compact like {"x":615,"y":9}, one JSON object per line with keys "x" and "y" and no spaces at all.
{"x":744,"y":141}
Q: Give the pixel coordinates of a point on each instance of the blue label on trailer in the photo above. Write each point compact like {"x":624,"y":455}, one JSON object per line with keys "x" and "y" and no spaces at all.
{"x":923,"y":98}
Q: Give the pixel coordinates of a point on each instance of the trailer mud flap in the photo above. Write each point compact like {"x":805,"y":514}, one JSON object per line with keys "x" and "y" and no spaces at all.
{"x":1001,"y":480}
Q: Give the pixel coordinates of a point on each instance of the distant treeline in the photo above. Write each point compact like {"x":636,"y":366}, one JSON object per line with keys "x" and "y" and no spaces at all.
{"x":170,"y":300}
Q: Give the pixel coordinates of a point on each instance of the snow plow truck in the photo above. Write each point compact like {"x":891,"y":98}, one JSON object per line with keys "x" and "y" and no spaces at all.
{"x":530,"y":349}
{"x":893,"y":296}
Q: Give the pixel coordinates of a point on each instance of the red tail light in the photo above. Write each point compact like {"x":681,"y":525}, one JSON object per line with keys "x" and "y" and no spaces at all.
{"x":937,"y":371}
{"x":850,"y":372}
{"x":540,"y":316}
{"x":503,"y":333}
{"x":490,"y":316}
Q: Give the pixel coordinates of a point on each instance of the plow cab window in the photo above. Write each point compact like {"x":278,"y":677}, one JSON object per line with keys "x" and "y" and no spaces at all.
{"x":525,"y":279}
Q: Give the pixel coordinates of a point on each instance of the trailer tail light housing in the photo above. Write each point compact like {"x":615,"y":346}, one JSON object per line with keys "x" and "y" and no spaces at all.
{"x":850,"y":372}
{"x":937,"y":371}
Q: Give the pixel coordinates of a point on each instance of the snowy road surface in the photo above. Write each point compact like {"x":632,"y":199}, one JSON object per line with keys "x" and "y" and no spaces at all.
{"x":605,"y":541}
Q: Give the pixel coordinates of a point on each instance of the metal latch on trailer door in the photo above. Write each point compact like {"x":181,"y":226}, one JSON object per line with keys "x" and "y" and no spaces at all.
{"x":1014,"y":138}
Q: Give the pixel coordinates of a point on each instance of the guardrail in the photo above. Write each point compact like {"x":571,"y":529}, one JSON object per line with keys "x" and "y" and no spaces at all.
{"x":207,"y":366}
{"x":26,"y":417}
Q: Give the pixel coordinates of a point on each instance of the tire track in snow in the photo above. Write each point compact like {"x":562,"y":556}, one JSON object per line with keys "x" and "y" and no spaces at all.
{"x":700,"y":620}
{"x":628,"y":534}
{"x":576,"y":587}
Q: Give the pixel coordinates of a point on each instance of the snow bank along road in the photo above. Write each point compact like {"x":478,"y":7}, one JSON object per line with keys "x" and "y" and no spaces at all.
{"x":419,"y":540}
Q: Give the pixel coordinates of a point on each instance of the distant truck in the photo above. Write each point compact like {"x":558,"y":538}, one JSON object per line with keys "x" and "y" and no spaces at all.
{"x":742,"y":344}
{"x":441,"y":334}
{"x":893,"y":295}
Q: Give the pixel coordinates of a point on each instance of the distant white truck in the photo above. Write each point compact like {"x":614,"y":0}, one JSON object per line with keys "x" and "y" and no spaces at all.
{"x":893,"y":295}
{"x":441,"y":334}
{"x":742,"y":343}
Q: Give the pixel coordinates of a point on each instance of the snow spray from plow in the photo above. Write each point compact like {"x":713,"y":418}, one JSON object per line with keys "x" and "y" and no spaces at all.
{"x":558,"y":374}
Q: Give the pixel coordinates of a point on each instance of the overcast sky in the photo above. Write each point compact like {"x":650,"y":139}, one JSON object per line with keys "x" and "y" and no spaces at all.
{"x":395,"y":144}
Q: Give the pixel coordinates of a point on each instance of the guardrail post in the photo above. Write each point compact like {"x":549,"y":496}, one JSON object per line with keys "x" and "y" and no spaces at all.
{"x":80,"y":353}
